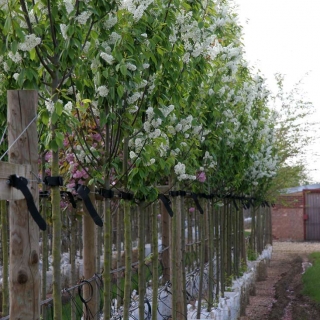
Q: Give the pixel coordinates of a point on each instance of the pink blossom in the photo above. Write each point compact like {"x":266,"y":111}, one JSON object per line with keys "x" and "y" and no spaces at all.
{"x":63,"y":204}
{"x":71,"y":185}
{"x":78,"y":174}
{"x":192,"y":209}
{"x":65,"y":142}
{"x":96,"y":136}
{"x":48,"y":156}
{"x":201,"y":176}
{"x":70,"y":157}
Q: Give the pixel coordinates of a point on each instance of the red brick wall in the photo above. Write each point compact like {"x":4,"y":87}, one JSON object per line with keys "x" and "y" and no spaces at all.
{"x":287,"y":218}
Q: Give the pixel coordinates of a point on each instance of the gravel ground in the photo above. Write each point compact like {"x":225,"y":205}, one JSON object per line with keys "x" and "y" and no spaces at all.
{"x":279,"y":296}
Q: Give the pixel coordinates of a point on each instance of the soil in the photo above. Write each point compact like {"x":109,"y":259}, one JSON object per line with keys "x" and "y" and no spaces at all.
{"x":279,"y":297}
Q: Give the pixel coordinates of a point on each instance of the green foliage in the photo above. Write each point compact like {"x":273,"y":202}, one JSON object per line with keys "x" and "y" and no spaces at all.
{"x":311,"y":278}
{"x":252,"y":254}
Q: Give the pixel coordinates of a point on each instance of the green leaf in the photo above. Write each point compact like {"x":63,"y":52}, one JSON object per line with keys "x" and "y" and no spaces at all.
{"x":120,"y":91}
{"x":123,"y":69}
{"x":45,"y":117}
{"x":32,"y":54}
{"x":58,"y":108}
{"x":54,"y":117}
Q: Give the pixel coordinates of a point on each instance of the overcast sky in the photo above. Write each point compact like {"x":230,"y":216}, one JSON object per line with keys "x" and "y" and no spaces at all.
{"x":283,"y":36}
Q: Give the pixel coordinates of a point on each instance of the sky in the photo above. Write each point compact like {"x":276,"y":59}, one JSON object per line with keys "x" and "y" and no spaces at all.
{"x":283,"y":36}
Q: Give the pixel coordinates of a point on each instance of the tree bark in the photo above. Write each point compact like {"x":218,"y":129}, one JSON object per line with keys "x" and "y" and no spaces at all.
{"x":89,"y":265}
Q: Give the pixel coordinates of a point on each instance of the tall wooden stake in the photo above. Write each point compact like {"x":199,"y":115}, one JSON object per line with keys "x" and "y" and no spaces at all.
{"x":24,"y":232}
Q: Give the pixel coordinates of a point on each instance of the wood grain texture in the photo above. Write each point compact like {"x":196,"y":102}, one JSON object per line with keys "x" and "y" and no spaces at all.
{"x":24,"y":233}
{"x":6,"y":169}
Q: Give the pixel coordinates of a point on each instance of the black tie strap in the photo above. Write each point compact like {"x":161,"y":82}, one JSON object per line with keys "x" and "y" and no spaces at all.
{"x":194,"y":196}
{"x":166,"y":201}
{"x":106,"y":193}
{"x":84,"y":192}
{"x":70,"y":197}
{"x":21,"y":183}
{"x":126,"y":195}
{"x":177,"y":193}
{"x":44,"y":194}
{"x":53,"y":181}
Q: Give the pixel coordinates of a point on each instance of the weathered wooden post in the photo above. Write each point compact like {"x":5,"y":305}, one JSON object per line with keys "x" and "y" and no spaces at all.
{"x":24,"y":232}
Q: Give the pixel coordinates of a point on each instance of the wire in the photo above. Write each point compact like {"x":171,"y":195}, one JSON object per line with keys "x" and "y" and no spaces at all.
{"x":24,"y":130}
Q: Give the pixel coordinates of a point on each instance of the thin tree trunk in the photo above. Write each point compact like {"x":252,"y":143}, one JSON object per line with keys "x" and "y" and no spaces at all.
{"x":118,"y":247}
{"x":44,"y":207}
{"x":211,"y":253}
{"x":89,"y":267}
{"x":155,"y":258}
{"x":217,"y":248}
{"x":128,"y":260}
{"x":165,"y":256}
{"x":56,"y":239}
{"x":73,"y":258}
{"x":183,"y":255}
{"x":202,"y":258}
{"x":141,"y":254}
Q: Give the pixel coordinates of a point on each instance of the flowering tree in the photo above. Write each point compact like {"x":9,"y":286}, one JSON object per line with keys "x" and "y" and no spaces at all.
{"x":137,"y":93}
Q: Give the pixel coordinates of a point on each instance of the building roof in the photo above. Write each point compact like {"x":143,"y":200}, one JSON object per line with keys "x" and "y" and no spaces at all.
{"x":301,"y":188}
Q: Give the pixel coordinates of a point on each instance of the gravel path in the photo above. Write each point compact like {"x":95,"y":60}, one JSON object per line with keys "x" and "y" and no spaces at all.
{"x":279,"y":297}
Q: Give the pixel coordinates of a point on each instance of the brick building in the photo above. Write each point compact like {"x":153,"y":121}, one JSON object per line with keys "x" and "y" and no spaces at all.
{"x":296,"y":214}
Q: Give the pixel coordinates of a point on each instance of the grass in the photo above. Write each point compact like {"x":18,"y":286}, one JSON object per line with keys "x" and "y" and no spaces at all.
{"x":247,"y":233}
{"x":311,"y":278}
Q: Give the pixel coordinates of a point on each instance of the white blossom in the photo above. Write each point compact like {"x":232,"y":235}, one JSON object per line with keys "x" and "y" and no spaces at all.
{"x":15,"y":57}
{"x":111,"y":21}
{"x":16,"y":76}
{"x":133,"y":155}
{"x":69,"y":6}
{"x":147,"y":126}
{"x":49,"y":105}
{"x":179,"y":168}
{"x":64,"y":30}
{"x":114,"y":37}
{"x":150,"y":113}
{"x":133,"y":109}
{"x":102,"y":91}
{"x":131,"y":66}
{"x":68,"y":107}
{"x":156,"y":122}
{"x":83,"y":17}
{"x":151,"y":162}
{"x":133,"y":98}
{"x":107,"y":57}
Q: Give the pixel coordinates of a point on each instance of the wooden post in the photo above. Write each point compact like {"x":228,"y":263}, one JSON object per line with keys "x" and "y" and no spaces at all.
{"x":24,"y":232}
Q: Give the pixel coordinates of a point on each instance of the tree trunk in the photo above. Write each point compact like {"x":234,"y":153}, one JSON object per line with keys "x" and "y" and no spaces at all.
{"x":89,"y":266}
{"x":73,"y":258}
{"x":128,"y":260}
{"x":24,"y":232}
{"x":165,"y":256}
{"x":141,"y":250}
{"x":155,"y":258}
{"x":44,"y":207}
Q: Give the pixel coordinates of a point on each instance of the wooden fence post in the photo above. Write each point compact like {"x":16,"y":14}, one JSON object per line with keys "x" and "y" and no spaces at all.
{"x":24,"y":232}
